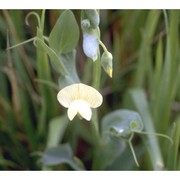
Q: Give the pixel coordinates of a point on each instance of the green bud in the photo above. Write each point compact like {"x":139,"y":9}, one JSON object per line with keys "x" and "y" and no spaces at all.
{"x":85,"y":24}
{"x":107,"y":63}
{"x":93,"y":17}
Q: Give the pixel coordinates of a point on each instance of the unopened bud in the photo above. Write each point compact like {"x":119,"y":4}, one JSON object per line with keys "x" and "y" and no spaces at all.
{"x":85,"y":24}
{"x":107,"y":63}
{"x":93,"y":17}
{"x":90,"y":45}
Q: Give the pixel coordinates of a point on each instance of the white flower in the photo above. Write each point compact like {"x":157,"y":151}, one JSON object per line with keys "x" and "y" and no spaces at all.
{"x":79,"y":99}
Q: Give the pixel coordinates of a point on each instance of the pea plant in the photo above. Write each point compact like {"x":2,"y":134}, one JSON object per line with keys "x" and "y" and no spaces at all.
{"x":77,"y":129}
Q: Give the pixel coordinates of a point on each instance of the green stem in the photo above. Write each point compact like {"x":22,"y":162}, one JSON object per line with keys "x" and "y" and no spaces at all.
{"x":42,"y":20}
{"x":103,"y":46}
{"x":95,"y":122}
{"x":133,"y":153}
{"x":97,"y":73}
{"x":96,"y":84}
{"x":22,"y":43}
{"x":166,"y":20}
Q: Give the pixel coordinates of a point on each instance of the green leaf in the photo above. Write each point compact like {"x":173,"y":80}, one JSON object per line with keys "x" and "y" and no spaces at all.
{"x":139,"y":100}
{"x":125,"y":160}
{"x":60,"y":155}
{"x":56,"y":61}
{"x":69,"y":61}
{"x":144,"y":60}
{"x":57,"y":127}
{"x":122,"y":123}
{"x":107,"y":152}
{"x":64,"y":36}
{"x":173,"y":151}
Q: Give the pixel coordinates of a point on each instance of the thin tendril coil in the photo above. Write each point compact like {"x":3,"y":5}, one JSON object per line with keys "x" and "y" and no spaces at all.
{"x":37,"y":17}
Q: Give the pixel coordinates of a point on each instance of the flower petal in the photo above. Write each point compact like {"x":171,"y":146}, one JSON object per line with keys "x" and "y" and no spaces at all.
{"x":72,"y":110}
{"x":81,"y":107}
{"x":68,"y":94}
{"x":85,"y":110}
{"x":90,"y":95}
{"x":79,"y":91}
{"x":90,"y":45}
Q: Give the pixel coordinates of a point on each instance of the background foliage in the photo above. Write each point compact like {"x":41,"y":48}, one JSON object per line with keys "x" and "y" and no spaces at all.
{"x":35,"y":133}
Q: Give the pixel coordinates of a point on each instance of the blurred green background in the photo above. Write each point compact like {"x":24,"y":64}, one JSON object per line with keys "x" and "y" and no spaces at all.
{"x":146,"y":77}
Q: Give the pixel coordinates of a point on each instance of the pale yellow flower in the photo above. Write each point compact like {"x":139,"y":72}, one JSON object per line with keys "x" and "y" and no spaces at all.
{"x":79,"y":99}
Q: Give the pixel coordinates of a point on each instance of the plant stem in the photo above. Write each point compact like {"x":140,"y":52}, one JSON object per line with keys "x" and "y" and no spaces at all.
{"x":103,"y":46}
{"x":97,"y":73}
{"x":96,"y":84}
{"x":133,"y":153}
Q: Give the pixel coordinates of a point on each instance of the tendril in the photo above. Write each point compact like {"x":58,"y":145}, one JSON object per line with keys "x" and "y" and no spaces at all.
{"x":37,"y":17}
{"x":155,"y":134}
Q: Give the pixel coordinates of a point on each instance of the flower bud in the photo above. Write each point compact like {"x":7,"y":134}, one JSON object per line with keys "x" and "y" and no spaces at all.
{"x":93,"y":17}
{"x":85,"y":24}
{"x":90,"y":45}
{"x":106,"y":62}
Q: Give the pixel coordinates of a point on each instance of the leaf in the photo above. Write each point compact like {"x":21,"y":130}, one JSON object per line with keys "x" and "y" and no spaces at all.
{"x":48,"y":83}
{"x":116,"y":126}
{"x":107,"y":152}
{"x":60,"y":155}
{"x":57,"y":127}
{"x":56,"y":61}
{"x":125,"y":160}
{"x":144,"y":60}
{"x":139,"y":100}
{"x":69,"y":61}
{"x":64,"y":36}
{"x":122,"y":123}
{"x":173,"y":151}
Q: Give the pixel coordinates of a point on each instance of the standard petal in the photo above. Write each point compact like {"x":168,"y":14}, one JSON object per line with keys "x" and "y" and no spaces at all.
{"x":68,"y":94}
{"x":90,"y":95}
{"x":79,"y":91}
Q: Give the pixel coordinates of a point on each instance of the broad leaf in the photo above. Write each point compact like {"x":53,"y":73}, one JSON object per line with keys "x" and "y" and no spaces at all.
{"x":60,"y":155}
{"x":56,"y":61}
{"x":122,"y":123}
{"x":64,"y":36}
{"x":69,"y":61}
{"x":57,"y":127}
{"x":107,"y":152}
